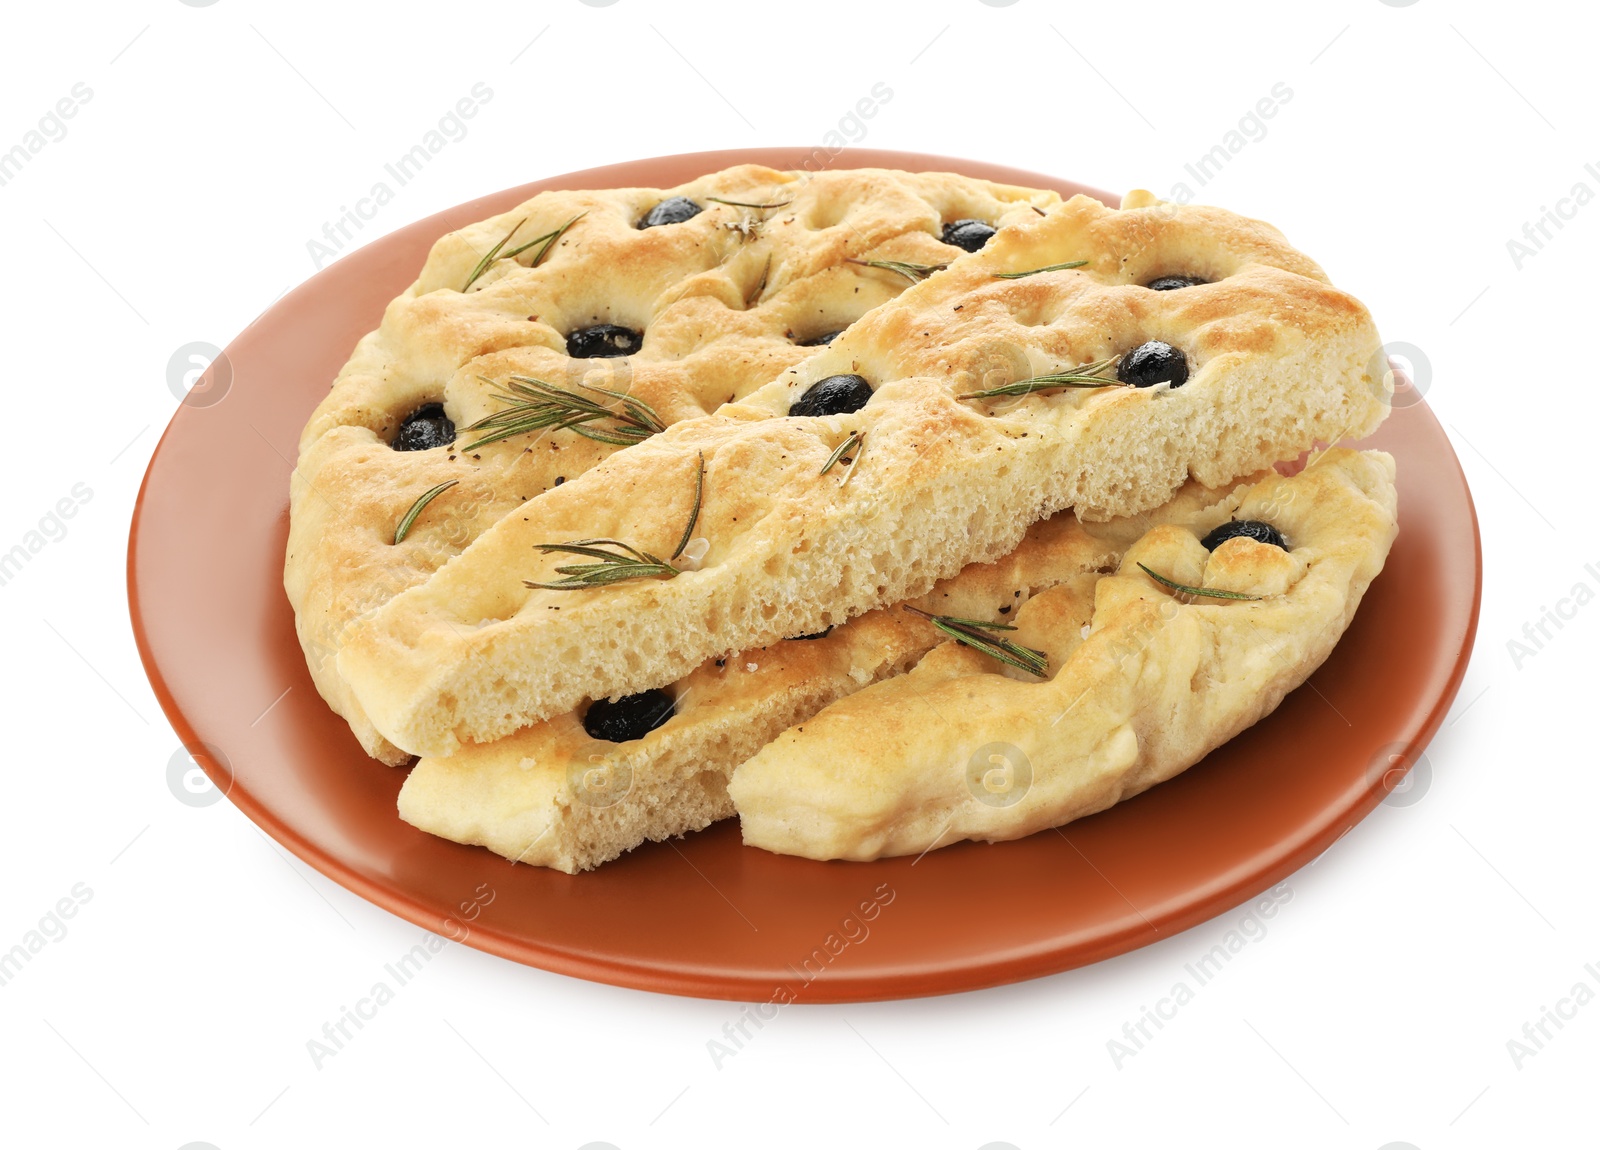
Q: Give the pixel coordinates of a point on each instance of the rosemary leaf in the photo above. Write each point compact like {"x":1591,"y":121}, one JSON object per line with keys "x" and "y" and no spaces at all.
{"x":972,"y":633}
{"x":494,"y":252}
{"x":537,"y":405}
{"x":1208,"y":592}
{"x":1086,"y":376}
{"x":916,"y":273}
{"x":850,"y":441}
{"x":616,"y":561}
{"x":548,"y":239}
{"x":694,"y":514}
{"x":855,"y":459}
{"x":602,"y":436}
{"x":1036,"y":271}
{"x":742,"y":204}
{"x":613,"y":567}
{"x":427,"y":497}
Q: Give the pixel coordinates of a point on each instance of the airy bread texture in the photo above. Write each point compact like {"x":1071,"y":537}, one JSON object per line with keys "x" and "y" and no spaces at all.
{"x":726,"y":301}
{"x":553,"y":796}
{"x":1278,"y":360}
{"x":1144,"y":683}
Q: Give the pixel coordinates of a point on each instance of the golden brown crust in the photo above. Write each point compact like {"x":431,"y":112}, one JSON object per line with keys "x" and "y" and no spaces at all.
{"x":1279,"y":360}
{"x":552,"y":796}
{"x":722,"y":298}
{"x":1142,"y":685}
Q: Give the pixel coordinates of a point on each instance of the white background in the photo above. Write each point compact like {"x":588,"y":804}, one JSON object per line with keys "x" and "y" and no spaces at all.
{"x":1376,"y":1012}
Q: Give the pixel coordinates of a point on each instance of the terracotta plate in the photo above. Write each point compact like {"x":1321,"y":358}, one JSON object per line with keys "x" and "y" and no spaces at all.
{"x":706,"y":915}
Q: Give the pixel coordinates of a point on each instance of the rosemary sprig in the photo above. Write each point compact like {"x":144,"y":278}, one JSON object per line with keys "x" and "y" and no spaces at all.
{"x":1086,"y":376}
{"x":742,"y":204}
{"x":547,"y":239}
{"x":615,"y":566}
{"x":851,"y":440}
{"x":1036,"y":271}
{"x":854,"y":459}
{"x":536,"y":405}
{"x":404,"y":526}
{"x":916,"y":273}
{"x":694,"y":513}
{"x":971,"y":633}
{"x":1208,"y":592}
{"x":493,"y":253}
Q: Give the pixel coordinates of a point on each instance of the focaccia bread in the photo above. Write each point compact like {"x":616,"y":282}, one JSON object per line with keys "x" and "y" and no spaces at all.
{"x":1143,"y":682}
{"x":726,"y":297}
{"x":1263,"y":359}
{"x":553,"y":795}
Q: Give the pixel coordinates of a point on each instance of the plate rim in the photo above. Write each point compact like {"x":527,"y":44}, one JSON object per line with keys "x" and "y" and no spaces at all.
{"x":1046,"y":958}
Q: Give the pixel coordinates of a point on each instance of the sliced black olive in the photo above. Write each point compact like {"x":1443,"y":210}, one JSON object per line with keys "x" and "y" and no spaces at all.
{"x":822,"y":340}
{"x":628,"y":718}
{"x":671,"y":211}
{"x":603,"y":341}
{"x":1173,"y":283}
{"x":968,"y":235}
{"x":1152,"y":363}
{"x":425,"y":428}
{"x":1248,"y":529}
{"x":836,"y":395}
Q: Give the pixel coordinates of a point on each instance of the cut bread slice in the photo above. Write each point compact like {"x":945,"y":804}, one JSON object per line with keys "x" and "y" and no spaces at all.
{"x":1144,"y":682}
{"x":725,"y":300}
{"x":1277,"y":360}
{"x":551,"y":795}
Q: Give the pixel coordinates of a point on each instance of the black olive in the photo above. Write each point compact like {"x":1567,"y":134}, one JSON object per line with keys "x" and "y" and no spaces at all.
{"x":671,"y":211}
{"x":968,"y":235}
{"x":822,"y":340}
{"x":603,"y":341}
{"x":1152,"y":363}
{"x":628,"y":718}
{"x":1247,"y":528}
{"x":836,"y":395}
{"x":1173,"y":283}
{"x":425,"y":428}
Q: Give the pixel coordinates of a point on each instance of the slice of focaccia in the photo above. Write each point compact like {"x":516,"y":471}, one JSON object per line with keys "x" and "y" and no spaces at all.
{"x":714,"y":287}
{"x":658,"y":763}
{"x":1143,"y":681}
{"x":1040,"y":372}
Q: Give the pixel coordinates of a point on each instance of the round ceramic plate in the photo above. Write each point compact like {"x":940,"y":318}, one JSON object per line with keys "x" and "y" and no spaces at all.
{"x":706,"y":915}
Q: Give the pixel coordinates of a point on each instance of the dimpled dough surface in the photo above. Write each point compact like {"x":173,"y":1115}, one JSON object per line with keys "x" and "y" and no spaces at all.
{"x":1278,"y":360}
{"x":725,"y":300}
{"x":551,"y":795}
{"x":1142,"y":685}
